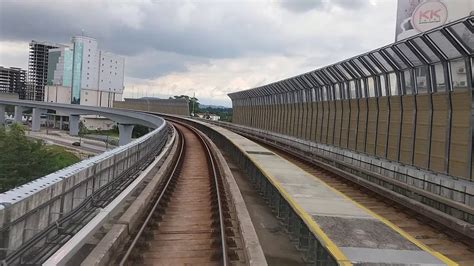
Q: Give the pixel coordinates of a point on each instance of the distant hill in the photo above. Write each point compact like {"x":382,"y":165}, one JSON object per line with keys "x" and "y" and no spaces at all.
{"x":204,"y":106}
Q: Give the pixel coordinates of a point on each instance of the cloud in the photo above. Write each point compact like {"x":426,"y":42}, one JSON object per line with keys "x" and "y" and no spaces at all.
{"x":217,"y":47}
{"x":14,"y":54}
{"x":303,"y":5}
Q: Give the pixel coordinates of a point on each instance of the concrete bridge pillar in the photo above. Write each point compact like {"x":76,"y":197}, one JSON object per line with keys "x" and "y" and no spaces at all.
{"x":36,"y":123}
{"x":61,"y":123}
{"x":2,"y":114}
{"x":19,"y":113}
{"x":125,"y":133}
{"x":74,"y":125}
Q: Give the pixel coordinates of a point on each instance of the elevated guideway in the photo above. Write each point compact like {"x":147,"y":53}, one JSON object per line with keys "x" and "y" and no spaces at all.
{"x":38,"y":217}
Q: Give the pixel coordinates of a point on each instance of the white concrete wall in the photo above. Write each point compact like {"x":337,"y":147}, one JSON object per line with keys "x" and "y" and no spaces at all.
{"x":94,"y":122}
{"x":111,"y":72}
{"x":99,"y":98}
{"x":90,"y":62}
{"x":57,"y":94}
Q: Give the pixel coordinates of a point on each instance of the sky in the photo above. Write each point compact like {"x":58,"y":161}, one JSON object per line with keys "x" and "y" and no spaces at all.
{"x":207,"y":48}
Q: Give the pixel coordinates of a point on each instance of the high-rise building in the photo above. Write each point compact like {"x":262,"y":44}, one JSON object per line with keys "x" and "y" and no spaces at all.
{"x":96,"y":76}
{"x":60,"y":66}
{"x":38,"y":69}
{"x":12,"y":80}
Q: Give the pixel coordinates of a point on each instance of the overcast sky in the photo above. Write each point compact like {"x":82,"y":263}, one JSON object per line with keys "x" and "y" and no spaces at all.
{"x":209,"y":48}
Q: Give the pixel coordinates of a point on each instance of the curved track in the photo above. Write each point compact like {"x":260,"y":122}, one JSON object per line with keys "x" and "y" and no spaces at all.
{"x":186,"y":224}
{"x":434,"y":235}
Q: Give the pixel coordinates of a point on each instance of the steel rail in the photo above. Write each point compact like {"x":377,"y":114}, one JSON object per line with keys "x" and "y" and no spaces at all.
{"x":212,"y":163}
{"x":158,"y":201}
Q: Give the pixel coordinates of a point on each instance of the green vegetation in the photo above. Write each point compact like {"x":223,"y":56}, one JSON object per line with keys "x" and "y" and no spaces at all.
{"x":109,"y":132}
{"x":193,"y":102}
{"x":224,"y":113}
{"x":139,"y":130}
{"x":23,"y":159}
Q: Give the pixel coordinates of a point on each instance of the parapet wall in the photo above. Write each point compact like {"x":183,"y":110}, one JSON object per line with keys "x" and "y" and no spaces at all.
{"x":44,"y":207}
{"x":165,"y":106}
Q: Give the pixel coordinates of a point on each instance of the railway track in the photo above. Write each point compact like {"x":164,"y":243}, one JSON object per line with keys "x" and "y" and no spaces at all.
{"x":438,"y":237}
{"x":188,"y":221}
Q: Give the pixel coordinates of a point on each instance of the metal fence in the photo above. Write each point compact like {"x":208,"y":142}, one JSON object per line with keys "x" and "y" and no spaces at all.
{"x":408,"y":102}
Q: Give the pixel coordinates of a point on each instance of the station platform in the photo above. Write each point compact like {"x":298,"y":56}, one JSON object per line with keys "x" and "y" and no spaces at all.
{"x":347,"y":231}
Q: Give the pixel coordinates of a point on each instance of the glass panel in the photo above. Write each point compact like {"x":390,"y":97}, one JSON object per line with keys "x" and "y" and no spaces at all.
{"x":361,"y":67}
{"x":423,"y":47}
{"x":335,"y":74}
{"x":393,"y":83}
{"x":76,"y":76}
{"x":383,"y":89}
{"x":302,"y":82}
{"x":421,"y":78}
{"x":371,"y":87}
{"x":306,"y":81}
{"x":395,"y":58}
{"x":337,"y":92}
{"x":444,"y":45}
{"x":352,"y":88}
{"x":372,"y":64}
{"x":362,"y":89}
{"x":316,"y":77}
{"x":466,"y":36}
{"x":344,"y":72}
{"x":352,"y":70}
{"x":458,"y":72}
{"x":324,"y":93}
{"x":290,"y":85}
{"x":295,"y":84}
{"x":409,"y":54}
{"x":299,"y":84}
{"x":312,"y":80}
{"x":439,"y":77}
{"x":284,"y":86}
{"x":343,"y":87}
{"x":329,"y":76}
{"x":408,"y":82}
{"x":382,"y":61}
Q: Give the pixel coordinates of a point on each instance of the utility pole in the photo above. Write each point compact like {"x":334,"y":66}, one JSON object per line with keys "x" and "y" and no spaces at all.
{"x":194,"y":101}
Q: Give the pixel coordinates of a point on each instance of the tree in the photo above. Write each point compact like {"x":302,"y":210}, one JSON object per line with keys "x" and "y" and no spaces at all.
{"x":192,"y":101}
{"x":139,"y":130}
{"x":23,"y":159}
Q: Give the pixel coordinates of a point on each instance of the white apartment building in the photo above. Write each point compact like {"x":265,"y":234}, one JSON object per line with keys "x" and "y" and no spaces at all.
{"x":84,"y":74}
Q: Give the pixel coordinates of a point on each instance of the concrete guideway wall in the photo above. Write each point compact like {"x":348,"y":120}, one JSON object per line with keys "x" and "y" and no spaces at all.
{"x":166,"y":106}
{"x":409,"y":102}
{"x":28,"y":210}
{"x":109,"y":214}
